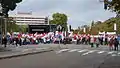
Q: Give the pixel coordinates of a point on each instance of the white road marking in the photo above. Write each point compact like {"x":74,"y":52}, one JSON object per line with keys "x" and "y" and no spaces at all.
{"x":111,"y":52}
{"x":101,"y":52}
{"x":88,"y":52}
{"x":114,"y":55}
{"x":119,"y":53}
{"x":63,"y":50}
{"x":73,"y":50}
{"x":83,"y":50}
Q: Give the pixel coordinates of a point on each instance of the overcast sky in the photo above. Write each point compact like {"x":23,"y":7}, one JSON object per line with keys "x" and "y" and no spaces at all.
{"x":79,"y":12}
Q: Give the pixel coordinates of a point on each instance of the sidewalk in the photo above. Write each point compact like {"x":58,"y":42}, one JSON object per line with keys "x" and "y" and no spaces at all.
{"x":20,"y":51}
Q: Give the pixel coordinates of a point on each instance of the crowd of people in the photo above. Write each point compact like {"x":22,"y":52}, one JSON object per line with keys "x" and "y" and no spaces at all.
{"x":112,"y":42}
{"x":61,"y":38}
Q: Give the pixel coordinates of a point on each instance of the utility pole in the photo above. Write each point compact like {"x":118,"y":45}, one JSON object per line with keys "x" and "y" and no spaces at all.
{"x":1,"y":29}
{"x":5,"y":21}
{"x":1,"y":23}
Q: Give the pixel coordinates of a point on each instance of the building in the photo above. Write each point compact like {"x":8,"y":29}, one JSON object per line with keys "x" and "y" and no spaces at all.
{"x":34,"y":23}
{"x":22,"y":18}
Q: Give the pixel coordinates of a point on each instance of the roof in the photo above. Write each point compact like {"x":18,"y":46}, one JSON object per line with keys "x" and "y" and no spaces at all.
{"x":26,"y":15}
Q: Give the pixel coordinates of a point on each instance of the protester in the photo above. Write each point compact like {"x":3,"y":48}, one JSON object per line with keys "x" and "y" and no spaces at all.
{"x":111,"y":43}
{"x":92,"y":41}
{"x":16,"y":41}
{"x":116,"y":43}
{"x":61,"y":38}
{"x":20,"y":41}
{"x":97,"y":42}
{"x":4,"y":41}
{"x":106,"y":41}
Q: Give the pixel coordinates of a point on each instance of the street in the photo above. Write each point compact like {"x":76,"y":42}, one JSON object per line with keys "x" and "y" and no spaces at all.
{"x":82,"y":57}
{"x":59,"y":34}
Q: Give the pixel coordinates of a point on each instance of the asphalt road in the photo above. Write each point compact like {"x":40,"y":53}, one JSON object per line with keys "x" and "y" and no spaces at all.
{"x":65,"y":58}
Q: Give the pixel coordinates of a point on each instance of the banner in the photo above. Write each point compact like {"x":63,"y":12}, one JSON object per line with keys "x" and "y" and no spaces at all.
{"x":84,"y":30}
{"x":115,"y":27}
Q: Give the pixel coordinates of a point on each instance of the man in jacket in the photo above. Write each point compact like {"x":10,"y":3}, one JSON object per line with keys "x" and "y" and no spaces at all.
{"x":116,"y":43}
{"x":20,"y":41}
{"x":4,"y":41}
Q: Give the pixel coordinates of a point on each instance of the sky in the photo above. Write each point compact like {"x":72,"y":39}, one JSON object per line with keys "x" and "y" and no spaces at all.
{"x":79,"y":12}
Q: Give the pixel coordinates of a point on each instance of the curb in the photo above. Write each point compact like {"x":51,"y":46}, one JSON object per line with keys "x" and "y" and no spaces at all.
{"x":23,"y":54}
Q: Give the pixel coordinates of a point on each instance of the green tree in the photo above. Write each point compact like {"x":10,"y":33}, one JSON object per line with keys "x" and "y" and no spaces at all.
{"x":113,"y":5}
{"x":10,"y":24}
{"x":98,"y":22}
{"x":107,"y":25}
{"x":59,"y":19}
{"x":92,"y":24}
{"x":8,"y":5}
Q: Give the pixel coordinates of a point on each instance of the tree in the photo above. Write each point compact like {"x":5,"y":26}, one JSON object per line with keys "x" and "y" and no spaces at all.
{"x":8,"y":5}
{"x":92,"y":24}
{"x":59,"y":19}
{"x":113,"y":5}
{"x":11,"y":25}
{"x":98,"y":22}
{"x":107,"y":26}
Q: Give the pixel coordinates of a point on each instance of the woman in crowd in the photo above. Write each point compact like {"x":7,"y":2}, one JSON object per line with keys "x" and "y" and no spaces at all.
{"x":116,"y":43}
{"x":111,"y":43}
{"x":97,"y":42}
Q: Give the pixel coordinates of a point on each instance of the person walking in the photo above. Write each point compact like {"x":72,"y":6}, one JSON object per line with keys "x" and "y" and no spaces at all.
{"x":97,"y":42}
{"x":20,"y":41}
{"x":16,"y":41}
{"x":92,"y":41}
{"x":111,"y":43}
{"x":106,"y":40}
{"x":116,"y":43}
{"x":4,"y":41}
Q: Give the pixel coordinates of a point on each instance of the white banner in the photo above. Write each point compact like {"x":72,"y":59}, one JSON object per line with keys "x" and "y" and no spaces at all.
{"x":115,"y":26}
{"x":84,"y":30}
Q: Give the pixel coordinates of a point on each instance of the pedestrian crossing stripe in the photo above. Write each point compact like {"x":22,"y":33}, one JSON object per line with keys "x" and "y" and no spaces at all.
{"x":111,"y":52}
{"x":73,"y":50}
{"x":101,"y":52}
{"x":63,"y":50}
{"x":114,"y":55}
{"x":88,"y":52}
{"x":83,"y":50}
{"x":119,"y":53}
